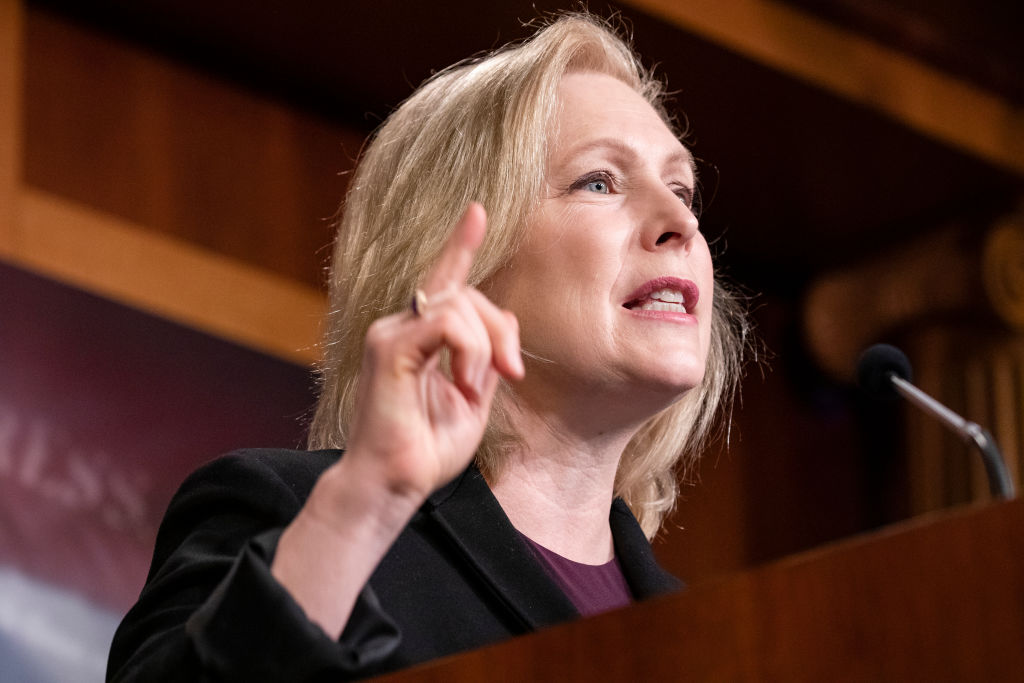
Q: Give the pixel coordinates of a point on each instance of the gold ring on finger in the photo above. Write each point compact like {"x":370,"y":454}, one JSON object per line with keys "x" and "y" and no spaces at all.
{"x":418,"y":303}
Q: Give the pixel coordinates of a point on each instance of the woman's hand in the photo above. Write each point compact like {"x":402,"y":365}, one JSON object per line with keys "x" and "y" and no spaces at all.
{"x":413,"y":427}
{"x":413,"y":430}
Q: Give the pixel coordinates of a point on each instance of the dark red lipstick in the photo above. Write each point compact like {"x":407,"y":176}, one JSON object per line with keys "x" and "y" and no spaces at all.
{"x":689,"y":290}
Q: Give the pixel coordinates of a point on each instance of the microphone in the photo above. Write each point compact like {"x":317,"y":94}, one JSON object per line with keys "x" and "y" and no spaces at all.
{"x":883,"y":372}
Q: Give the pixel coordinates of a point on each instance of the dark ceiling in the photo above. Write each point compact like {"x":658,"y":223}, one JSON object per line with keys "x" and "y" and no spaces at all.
{"x":797,"y":180}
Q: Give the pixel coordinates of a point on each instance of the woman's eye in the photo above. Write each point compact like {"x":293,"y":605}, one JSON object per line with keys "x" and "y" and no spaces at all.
{"x":685,"y":195}
{"x":598,"y":182}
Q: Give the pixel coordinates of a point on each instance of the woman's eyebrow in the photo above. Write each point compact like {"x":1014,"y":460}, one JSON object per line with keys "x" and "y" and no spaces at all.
{"x":681,"y":155}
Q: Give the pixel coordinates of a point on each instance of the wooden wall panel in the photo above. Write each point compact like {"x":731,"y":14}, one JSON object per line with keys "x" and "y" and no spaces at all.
{"x":707,"y":534}
{"x":122,"y":130}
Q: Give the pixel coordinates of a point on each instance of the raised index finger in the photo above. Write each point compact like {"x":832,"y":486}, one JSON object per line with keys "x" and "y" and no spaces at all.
{"x":452,"y":268}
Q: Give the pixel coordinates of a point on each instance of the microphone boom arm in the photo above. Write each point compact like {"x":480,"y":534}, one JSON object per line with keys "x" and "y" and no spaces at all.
{"x":999,"y":482}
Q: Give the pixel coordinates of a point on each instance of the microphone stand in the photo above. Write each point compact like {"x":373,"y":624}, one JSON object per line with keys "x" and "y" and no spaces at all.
{"x":999,"y":482}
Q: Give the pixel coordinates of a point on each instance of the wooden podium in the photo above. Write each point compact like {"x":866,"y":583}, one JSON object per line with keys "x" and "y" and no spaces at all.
{"x":937,"y":598}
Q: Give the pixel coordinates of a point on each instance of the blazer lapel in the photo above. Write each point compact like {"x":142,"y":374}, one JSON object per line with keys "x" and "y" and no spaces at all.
{"x":643,"y":574}
{"x":470,"y":515}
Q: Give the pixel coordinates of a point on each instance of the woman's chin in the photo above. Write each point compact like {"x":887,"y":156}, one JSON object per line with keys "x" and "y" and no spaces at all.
{"x":653,"y":393}
{"x":677,"y":376}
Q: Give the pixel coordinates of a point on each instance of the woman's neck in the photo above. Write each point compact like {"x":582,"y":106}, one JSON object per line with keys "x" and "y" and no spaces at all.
{"x":556,"y":486}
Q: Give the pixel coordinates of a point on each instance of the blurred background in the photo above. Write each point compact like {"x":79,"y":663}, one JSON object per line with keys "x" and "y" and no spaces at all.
{"x":168,"y":174}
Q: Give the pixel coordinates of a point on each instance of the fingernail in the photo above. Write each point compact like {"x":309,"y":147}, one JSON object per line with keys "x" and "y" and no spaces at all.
{"x":480,"y":380}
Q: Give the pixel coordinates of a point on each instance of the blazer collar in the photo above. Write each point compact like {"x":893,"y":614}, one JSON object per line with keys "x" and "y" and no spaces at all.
{"x":470,"y":514}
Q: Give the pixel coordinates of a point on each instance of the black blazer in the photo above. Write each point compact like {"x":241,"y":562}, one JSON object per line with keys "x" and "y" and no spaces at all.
{"x":458,"y":577}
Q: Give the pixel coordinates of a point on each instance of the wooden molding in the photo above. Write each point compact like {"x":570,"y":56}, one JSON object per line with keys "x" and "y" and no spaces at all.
{"x":954,"y":273}
{"x":171,"y":278}
{"x":10,"y":118}
{"x":909,"y":91}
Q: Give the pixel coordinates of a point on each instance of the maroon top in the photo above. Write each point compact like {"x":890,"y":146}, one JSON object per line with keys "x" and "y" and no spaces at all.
{"x":592,"y":588}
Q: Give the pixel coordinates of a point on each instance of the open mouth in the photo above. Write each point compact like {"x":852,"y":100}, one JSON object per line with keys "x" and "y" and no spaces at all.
{"x":661,"y":300}
{"x":670,"y":294}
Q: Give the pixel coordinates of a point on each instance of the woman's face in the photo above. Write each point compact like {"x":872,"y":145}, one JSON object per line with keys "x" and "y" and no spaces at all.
{"x":613,"y":284}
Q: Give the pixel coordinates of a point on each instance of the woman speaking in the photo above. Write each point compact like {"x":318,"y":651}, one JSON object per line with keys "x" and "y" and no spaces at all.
{"x":525,"y":345}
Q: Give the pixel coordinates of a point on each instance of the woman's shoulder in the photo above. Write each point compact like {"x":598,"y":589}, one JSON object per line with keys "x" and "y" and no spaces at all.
{"x":239,"y":495}
{"x":256,"y":471}
{"x":263,"y":482}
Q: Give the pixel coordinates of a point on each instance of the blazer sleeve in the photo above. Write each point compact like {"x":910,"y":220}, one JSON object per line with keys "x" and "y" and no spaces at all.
{"x":212,"y":611}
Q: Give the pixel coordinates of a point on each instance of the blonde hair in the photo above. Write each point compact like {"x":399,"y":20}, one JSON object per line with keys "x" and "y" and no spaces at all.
{"x":478,"y":131}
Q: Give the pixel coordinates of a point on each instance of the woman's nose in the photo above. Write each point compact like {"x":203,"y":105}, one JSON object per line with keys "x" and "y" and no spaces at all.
{"x":670,"y":221}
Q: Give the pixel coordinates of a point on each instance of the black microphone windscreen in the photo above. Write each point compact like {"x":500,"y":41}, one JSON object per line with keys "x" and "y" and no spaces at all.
{"x":875,"y":366}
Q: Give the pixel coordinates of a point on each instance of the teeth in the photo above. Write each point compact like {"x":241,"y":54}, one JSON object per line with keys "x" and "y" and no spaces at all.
{"x":662,"y":306}
{"x":662,"y":300}
{"x":670,"y":296}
